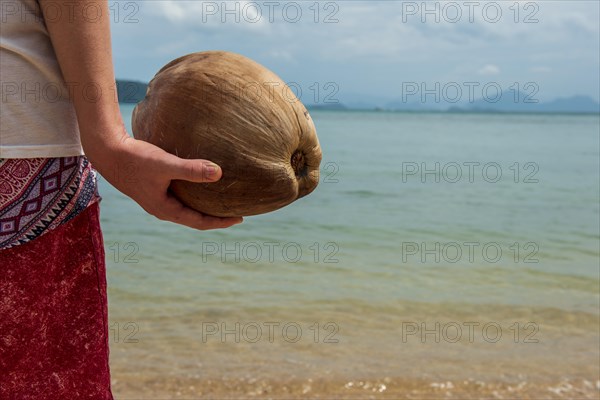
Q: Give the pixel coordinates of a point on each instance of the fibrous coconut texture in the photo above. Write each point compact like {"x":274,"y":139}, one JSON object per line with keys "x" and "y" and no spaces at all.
{"x":226,"y":108}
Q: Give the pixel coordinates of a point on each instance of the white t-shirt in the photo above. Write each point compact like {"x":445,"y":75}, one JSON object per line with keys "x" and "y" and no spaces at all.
{"x":37,"y":119}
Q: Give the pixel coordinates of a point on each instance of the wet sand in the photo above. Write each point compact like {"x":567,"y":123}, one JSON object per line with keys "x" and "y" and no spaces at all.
{"x":384,"y":388}
{"x":170,"y":360}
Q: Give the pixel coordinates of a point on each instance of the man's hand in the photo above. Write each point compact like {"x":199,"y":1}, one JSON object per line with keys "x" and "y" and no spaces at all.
{"x":144,"y":172}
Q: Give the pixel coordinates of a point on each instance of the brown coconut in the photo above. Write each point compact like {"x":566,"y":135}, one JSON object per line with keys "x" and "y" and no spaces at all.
{"x":226,"y":108}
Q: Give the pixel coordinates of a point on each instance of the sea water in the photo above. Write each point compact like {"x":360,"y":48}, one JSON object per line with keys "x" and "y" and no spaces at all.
{"x":436,"y":247}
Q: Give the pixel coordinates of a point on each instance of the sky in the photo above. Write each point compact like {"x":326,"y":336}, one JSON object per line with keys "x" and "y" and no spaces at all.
{"x":377,"y":50}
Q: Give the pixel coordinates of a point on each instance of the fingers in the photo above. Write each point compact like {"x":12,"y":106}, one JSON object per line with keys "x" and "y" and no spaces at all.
{"x":160,"y":169}
{"x":175,"y":211}
{"x":192,"y":170}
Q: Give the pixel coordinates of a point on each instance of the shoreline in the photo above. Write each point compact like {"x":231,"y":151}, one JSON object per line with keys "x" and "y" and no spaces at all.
{"x":382,"y":388}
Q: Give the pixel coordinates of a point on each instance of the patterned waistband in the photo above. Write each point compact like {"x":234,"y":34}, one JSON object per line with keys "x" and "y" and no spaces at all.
{"x":39,"y":194}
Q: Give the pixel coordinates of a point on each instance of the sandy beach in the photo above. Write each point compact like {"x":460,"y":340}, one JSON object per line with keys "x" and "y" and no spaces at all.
{"x":384,"y":388}
{"x":173,"y":359}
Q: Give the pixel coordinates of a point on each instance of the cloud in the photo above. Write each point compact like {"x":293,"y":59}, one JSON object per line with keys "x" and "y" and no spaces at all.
{"x":210,"y":15}
{"x":371,"y":46}
{"x":489,"y":69}
{"x":282,"y":55}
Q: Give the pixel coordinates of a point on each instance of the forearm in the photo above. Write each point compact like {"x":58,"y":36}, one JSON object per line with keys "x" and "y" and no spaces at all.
{"x":83,"y":49}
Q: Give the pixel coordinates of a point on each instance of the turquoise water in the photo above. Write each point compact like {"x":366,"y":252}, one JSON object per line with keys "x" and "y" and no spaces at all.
{"x":393,"y":235}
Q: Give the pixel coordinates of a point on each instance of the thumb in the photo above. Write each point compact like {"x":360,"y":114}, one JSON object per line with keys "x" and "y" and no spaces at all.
{"x":193,"y":170}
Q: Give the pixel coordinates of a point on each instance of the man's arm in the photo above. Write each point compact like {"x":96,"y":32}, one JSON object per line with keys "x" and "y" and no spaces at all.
{"x":83,"y":49}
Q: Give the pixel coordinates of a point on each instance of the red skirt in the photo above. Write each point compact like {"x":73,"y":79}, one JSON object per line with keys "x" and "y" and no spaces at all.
{"x":53,"y":314}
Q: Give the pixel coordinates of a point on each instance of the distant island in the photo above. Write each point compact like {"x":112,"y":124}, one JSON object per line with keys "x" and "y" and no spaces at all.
{"x":135,"y":91}
{"x":507,"y":102}
{"x":332,"y":106}
{"x":131,"y":91}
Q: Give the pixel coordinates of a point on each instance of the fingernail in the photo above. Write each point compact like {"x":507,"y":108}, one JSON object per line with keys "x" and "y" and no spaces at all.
{"x":211,"y":170}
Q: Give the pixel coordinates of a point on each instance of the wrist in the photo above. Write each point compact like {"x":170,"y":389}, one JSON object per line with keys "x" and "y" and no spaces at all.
{"x":103,"y":146}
